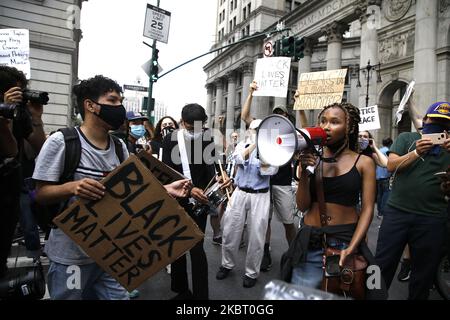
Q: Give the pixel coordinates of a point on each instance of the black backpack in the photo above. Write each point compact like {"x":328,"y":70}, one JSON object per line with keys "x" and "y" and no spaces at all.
{"x":46,"y":213}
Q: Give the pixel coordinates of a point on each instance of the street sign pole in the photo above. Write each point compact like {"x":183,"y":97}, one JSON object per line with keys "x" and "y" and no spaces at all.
{"x":150,"y":102}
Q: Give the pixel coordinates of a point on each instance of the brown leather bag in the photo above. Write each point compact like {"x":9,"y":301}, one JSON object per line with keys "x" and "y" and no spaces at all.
{"x":349,"y":280}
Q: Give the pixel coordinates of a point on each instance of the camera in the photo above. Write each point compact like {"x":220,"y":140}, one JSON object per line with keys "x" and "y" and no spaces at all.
{"x":25,"y":283}
{"x":13,"y":111}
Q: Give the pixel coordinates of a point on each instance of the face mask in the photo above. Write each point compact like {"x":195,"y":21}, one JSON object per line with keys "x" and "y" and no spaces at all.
{"x":114,"y":116}
{"x":192,"y":135}
{"x":165,"y":131}
{"x":137,"y":131}
{"x":363,"y":143}
{"x":432,"y":128}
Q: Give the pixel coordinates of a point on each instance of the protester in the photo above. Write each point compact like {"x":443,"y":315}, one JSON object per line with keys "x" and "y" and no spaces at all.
{"x":416,"y":211}
{"x":191,"y":151}
{"x":164,"y":126}
{"x":99,"y":102}
{"x":345,"y":174}
{"x":136,"y":131}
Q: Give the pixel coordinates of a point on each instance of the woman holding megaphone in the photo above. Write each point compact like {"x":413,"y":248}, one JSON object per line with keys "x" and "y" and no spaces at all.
{"x":330,"y":251}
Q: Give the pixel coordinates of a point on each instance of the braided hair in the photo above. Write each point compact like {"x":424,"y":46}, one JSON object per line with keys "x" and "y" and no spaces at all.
{"x":352,"y":119}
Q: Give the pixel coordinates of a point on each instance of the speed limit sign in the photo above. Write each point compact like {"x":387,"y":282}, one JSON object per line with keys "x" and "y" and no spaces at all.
{"x":157,"y":23}
{"x":268,"y":48}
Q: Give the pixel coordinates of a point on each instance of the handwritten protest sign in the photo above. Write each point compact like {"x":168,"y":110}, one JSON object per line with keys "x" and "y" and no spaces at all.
{"x":320,"y":89}
{"x":160,"y":170}
{"x":15,"y":49}
{"x":135,"y":230}
{"x":272,"y":76}
{"x":370,"y":120}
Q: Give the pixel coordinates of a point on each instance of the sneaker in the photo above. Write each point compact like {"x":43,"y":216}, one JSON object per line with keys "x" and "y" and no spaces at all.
{"x":217,"y":241}
{"x":133,"y":294}
{"x":266,"y":263}
{"x":405,"y":271}
{"x":248,"y":282}
{"x":222,"y":273}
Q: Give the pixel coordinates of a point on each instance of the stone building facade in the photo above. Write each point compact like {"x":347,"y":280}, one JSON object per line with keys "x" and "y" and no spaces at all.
{"x":410,"y":38}
{"x":54,"y":38}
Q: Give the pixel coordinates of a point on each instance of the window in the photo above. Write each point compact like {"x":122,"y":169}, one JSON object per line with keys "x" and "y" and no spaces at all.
{"x":249,"y":8}
{"x":288,"y":5}
{"x":220,"y":35}
{"x":231,"y":5}
{"x":220,"y":17}
{"x":234,"y":22}
{"x":247,"y":30}
{"x":231,"y":25}
{"x":235,"y":4}
{"x":244,"y":13}
{"x":243,"y":33}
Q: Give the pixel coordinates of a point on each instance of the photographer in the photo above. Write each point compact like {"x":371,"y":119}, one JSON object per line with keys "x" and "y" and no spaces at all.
{"x":22,"y":134}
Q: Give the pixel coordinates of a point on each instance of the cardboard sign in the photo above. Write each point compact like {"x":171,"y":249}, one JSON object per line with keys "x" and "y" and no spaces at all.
{"x":15,"y":49}
{"x":272,"y":76}
{"x":320,"y":89}
{"x":370,"y":120}
{"x":135,"y":230}
{"x":160,"y":170}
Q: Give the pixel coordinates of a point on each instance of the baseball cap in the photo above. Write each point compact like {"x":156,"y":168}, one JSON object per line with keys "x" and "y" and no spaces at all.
{"x":255,"y":124}
{"x":439,"y":110}
{"x":281,"y":107}
{"x":132,"y":115}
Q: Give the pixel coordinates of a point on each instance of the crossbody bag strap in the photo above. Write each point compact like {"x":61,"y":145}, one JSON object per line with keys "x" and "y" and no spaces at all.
{"x":320,"y":195}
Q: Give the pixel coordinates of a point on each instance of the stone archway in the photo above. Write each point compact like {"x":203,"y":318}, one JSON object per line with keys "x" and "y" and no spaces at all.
{"x":388,"y":102}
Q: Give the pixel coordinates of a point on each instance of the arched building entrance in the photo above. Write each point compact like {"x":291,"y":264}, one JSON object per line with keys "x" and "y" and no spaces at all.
{"x":388,"y":102}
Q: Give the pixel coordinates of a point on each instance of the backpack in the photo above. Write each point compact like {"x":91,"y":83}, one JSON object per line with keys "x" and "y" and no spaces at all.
{"x":46,"y":213}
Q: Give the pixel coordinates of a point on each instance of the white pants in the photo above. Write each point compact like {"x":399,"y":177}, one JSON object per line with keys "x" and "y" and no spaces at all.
{"x":256,"y":205}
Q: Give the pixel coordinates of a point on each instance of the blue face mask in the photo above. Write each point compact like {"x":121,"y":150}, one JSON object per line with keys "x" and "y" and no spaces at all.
{"x":137,"y":131}
{"x":363,"y":143}
{"x":432,"y":128}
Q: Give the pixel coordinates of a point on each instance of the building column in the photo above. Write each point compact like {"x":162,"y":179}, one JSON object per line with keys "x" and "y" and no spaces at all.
{"x":219,"y":102}
{"x":334,"y":32}
{"x":425,"y":60}
{"x":231,"y":102}
{"x":247,"y":78}
{"x":369,"y":52}
{"x":304,"y":66}
{"x":209,"y":100}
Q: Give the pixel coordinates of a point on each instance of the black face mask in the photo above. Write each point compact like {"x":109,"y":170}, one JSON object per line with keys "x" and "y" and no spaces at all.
{"x":115,"y":116}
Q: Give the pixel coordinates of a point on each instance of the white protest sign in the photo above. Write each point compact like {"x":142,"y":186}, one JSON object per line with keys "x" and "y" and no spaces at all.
{"x":157,"y":23}
{"x":370,"y":120}
{"x":401,"y":106}
{"x":272,"y":76}
{"x":15,"y":49}
{"x":319,"y":89}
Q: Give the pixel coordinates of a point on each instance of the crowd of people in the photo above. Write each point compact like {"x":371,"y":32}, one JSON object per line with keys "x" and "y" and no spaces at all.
{"x":351,"y":177}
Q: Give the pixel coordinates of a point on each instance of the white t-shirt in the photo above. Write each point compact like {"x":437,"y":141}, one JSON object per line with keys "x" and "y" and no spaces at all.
{"x":95,"y":164}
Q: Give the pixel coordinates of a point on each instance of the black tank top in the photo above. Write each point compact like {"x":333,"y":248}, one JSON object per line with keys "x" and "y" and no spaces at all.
{"x":343,"y":189}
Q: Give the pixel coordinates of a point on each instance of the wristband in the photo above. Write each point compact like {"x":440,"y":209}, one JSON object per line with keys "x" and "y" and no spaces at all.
{"x":415,"y":152}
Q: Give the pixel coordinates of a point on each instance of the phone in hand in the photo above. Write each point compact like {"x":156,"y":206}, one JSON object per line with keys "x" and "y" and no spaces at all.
{"x":332,"y":268}
{"x":436,"y":138}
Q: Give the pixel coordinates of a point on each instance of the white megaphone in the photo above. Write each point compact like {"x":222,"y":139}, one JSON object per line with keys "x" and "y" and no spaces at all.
{"x":278,"y":140}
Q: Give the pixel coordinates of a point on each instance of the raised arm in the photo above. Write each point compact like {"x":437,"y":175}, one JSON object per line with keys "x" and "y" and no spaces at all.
{"x":245,"y":114}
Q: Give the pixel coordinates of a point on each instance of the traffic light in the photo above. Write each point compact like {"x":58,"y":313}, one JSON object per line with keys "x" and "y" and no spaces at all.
{"x":299,"y":48}
{"x":154,"y":66}
{"x":287,"y":47}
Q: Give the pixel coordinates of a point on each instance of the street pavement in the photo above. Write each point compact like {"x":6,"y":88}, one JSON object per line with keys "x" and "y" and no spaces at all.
{"x":158,"y":286}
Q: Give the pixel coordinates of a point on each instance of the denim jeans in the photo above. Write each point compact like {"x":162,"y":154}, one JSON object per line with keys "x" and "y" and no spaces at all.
{"x":28,"y":223}
{"x":310,"y":273}
{"x":382,"y":195}
{"x":83,"y":282}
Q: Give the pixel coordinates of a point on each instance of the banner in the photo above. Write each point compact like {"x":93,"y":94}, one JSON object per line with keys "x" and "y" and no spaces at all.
{"x":15,"y":49}
{"x":135,"y":230}
{"x":320,"y":89}
{"x":272,"y":76}
{"x":370,"y":119}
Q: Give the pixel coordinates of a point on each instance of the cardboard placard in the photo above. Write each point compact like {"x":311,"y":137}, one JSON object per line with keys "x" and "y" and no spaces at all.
{"x":160,"y":170}
{"x":135,"y":230}
{"x":320,"y":89}
{"x":272,"y":76}
{"x":15,"y":49}
{"x":370,"y":119}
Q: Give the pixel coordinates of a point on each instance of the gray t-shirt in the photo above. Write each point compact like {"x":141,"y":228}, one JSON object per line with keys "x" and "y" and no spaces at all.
{"x":95,"y":164}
